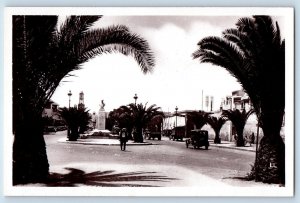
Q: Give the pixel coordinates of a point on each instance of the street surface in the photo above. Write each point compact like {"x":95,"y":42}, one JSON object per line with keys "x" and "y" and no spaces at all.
{"x":164,"y":163}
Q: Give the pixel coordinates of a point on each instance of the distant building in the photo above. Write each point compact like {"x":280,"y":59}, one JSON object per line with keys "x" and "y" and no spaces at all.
{"x":81,"y":101}
{"x":51,"y":110}
{"x":238,"y":100}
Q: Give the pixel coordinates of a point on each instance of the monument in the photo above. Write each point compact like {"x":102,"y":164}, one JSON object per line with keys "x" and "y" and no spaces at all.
{"x":101,"y":117}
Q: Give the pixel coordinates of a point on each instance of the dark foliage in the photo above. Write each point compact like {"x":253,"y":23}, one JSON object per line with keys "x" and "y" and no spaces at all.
{"x":254,"y":53}
{"x":238,"y":119}
{"x":216,"y":124}
{"x":42,"y":56}
{"x":141,"y":116}
{"x":77,"y":120}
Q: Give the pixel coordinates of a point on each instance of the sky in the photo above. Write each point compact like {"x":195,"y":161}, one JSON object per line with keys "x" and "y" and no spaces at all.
{"x":177,"y":79}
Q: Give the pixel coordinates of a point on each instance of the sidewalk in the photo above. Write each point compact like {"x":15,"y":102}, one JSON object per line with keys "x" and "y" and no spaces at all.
{"x":232,"y":145}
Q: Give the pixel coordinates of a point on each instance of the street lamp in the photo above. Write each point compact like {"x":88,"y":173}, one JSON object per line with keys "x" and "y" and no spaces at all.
{"x":69,"y":94}
{"x":176,"y":109}
{"x":135,"y":98}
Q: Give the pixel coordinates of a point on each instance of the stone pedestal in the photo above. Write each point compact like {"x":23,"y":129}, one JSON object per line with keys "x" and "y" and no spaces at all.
{"x":101,"y":120}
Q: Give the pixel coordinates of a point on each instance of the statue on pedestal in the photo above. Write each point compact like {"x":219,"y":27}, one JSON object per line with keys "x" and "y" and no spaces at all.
{"x":101,"y":118}
{"x":102,"y":105}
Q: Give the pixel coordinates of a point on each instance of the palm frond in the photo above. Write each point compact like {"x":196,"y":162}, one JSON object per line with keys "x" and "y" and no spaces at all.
{"x":116,"y":39}
{"x":242,"y":41}
{"x":221,"y":53}
{"x":216,"y":123}
{"x":246,"y":25}
{"x":75,"y":26}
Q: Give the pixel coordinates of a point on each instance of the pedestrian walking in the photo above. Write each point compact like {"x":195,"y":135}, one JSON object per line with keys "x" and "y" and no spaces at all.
{"x":123,"y":139}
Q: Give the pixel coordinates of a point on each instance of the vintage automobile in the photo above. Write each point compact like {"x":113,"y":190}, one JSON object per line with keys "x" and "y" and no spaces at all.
{"x":177,"y":133}
{"x":48,"y":129}
{"x":198,"y":138}
{"x":152,"y":135}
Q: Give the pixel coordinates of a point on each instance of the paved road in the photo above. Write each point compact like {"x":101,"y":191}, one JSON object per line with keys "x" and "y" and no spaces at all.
{"x":166,"y":163}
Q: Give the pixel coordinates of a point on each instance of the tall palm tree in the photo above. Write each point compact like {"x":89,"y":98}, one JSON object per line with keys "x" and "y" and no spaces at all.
{"x":254,"y":53}
{"x":77,"y":120}
{"x":142,"y":116}
{"x":42,"y":56}
{"x":216,"y":123}
{"x":238,"y":119}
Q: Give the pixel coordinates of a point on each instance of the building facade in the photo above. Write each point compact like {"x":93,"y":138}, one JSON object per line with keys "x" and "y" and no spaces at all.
{"x":237,"y":100}
{"x":51,"y":110}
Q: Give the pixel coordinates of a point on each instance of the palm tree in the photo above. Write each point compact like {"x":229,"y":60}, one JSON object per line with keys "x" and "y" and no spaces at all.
{"x":77,"y":120}
{"x":42,"y":56}
{"x":254,"y":53}
{"x":142,"y":116}
{"x":195,"y":119}
{"x":123,"y":118}
{"x":216,"y":123}
{"x":238,"y":119}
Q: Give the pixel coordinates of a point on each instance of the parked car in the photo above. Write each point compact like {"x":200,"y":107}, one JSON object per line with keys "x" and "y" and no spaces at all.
{"x":167,"y":132}
{"x":198,"y":138}
{"x":61,"y":128}
{"x":177,"y":133}
{"x":152,"y":135}
{"x":50,"y":129}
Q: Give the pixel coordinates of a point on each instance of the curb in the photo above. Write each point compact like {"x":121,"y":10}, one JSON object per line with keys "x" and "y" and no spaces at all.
{"x":229,"y":147}
{"x":99,"y":143}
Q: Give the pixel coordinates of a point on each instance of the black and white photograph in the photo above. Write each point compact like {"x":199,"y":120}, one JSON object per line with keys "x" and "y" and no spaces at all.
{"x":149,"y":101}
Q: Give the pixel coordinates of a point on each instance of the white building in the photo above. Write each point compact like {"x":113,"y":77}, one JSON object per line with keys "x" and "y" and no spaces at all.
{"x":51,"y":110}
{"x":238,"y":100}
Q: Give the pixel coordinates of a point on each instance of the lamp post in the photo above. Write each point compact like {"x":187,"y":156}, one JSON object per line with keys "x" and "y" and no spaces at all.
{"x":69,"y":94}
{"x":176,"y":109}
{"x":135,"y":98}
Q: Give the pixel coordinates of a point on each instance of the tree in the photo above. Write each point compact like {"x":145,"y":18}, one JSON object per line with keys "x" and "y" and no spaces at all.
{"x":254,"y":53}
{"x":122,"y":118}
{"x":195,"y":119}
{"x":216,"y":124}
{"x":76,"y":119}
{"x":141,"y":116}
{"x":42,"y":56}
{"x":238,"y":119}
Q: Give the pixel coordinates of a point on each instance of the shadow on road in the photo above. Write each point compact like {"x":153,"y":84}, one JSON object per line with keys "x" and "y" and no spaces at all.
{"x":77,"y":177}
{"x":244,"y":178}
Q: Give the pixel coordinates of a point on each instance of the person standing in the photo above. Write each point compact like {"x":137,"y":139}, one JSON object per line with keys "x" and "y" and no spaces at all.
{"x":123,"y":139}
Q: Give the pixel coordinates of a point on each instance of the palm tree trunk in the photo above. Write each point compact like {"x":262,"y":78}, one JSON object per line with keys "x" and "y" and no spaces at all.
{"x":270,"y":163}
{"x":30,"y":162}
{"x":217,"y":139}
{"x":139,"y":135}
{"x":74,"y":134}
{"x":240,"y":142}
